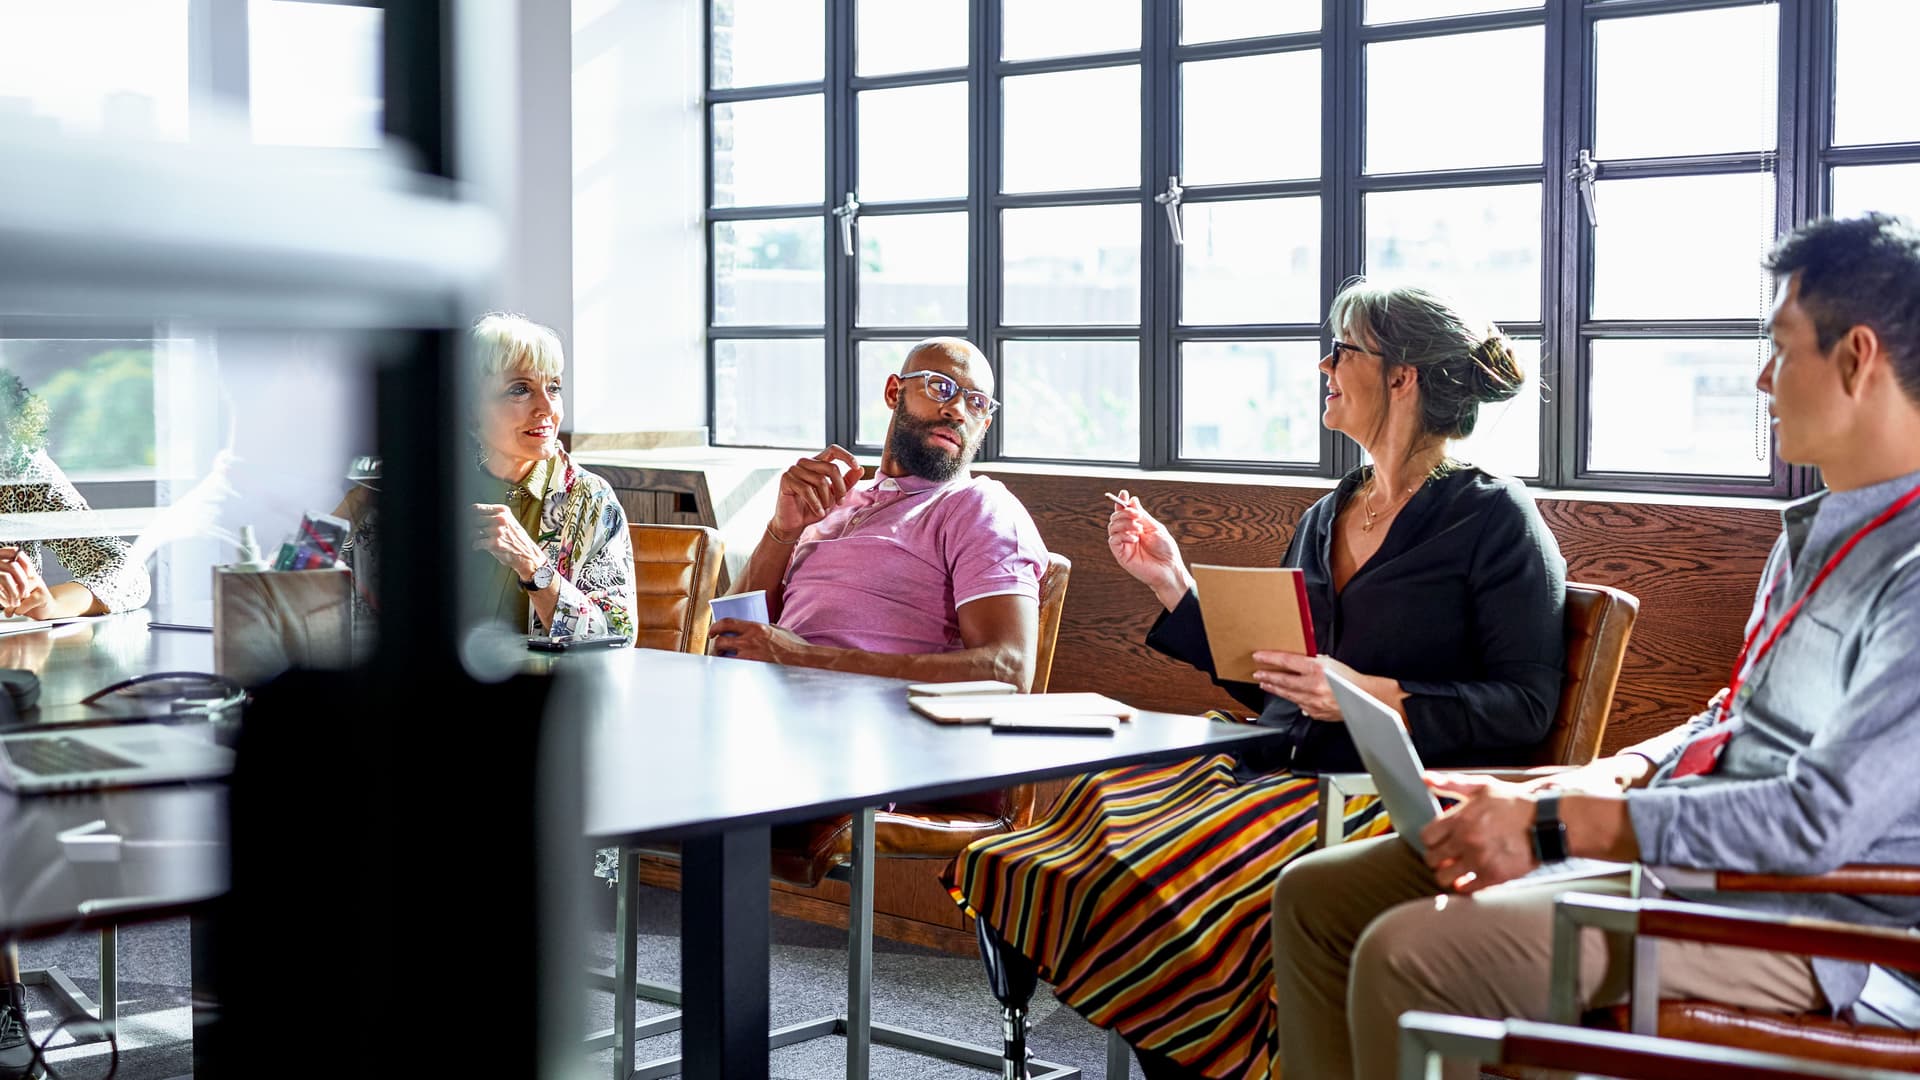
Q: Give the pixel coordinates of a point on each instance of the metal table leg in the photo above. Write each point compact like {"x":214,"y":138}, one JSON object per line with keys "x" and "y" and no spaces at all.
{"x":726,"y":931}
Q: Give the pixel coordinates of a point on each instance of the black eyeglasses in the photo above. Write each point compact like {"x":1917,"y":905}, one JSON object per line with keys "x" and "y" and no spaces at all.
{"x":942,"y":389}
{"x":1340,"y":346}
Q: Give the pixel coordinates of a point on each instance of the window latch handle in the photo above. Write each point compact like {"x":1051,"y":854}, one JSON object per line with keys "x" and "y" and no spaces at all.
{"x":1170,"y":199}
{"x":847,"y":211}
{"x":1584,"y":173}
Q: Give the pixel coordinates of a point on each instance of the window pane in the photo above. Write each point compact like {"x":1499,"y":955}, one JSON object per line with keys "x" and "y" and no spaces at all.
{"x":1250,"y":262}
{"x":1071,"y":399}
{"x":1250,"y":401}
{"x":1506,"y":437}
{"x":1386,"y":11}
{"x":770,"y":393}
{"x":1873,"y":71}
{"x":1894,"y":189}
{"x":1069,"y":265}
{"x":1699,"y":82}
{"x":769,"y":273}
{"x":1031,"y":29}
{"x":99,"y":399}
{"x":763,"y":42}
{"x":1677,"y":407}
{"x":769,"y":153}
{"x":1685,"y":247}
{"x":913,"y":143}
{"x":1222,"y":141}
{"x":1072,"y":130}
{"x":878,"y":359}
{"x":910,"y":35}
{"x":314,"y":73}
{"x":1479,"y":247}
{"x":113,"y":67}
{"x":1226,"y":20}
{"x":913,"y":270}
{"x":1407,"y":104}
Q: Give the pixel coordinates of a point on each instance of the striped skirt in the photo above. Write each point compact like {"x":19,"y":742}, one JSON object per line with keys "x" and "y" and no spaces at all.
{"x":1145,"y":899}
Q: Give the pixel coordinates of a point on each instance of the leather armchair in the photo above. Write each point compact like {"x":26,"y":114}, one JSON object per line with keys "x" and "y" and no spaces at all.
{"x":805,"y":854}
{"x":1599,"y":622}
{"x":1811,"y":1035}
{"x":675,"y":571}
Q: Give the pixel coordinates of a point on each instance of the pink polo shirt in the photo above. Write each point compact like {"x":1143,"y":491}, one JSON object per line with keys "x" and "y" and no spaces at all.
{"x":888,"y":569}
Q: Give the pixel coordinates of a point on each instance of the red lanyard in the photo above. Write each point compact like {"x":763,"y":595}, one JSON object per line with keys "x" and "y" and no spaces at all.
{"x":1740,"y":667}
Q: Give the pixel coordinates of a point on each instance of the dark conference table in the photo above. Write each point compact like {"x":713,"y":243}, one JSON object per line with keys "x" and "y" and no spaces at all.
{"x":172,"y":853}
{"x":712,"y":752}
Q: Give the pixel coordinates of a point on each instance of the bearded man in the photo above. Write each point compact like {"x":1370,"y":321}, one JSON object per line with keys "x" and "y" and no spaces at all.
{"x":923,"y":572}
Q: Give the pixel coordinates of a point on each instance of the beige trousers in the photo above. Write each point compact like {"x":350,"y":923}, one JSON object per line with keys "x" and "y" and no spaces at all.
{"x":1361,"y":934}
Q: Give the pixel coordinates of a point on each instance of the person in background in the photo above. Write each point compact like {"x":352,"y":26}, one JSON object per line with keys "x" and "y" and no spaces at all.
{"x":104,"y":581}
{"x":925,"y":572}
{"x":1804,"y":764}
{"x":554,"y":535}
{"x":1432,"y":584}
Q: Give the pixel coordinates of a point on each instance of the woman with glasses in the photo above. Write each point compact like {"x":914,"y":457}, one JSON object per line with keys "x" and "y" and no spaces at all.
{"x":1144,"y":897}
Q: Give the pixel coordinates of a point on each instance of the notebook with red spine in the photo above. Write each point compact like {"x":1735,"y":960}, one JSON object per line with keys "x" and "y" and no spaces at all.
{"x":1253,"y":608}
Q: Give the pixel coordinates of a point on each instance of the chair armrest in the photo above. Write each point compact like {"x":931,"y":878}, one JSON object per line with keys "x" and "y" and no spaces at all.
{"x":1650,"y":921}
{"x":1424,"y":1036}
{"x":1857,"y":879}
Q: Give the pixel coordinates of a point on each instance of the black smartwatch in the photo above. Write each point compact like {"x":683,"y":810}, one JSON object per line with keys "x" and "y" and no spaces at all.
{"x":1549,"y":832}
{"x":542,"y":577}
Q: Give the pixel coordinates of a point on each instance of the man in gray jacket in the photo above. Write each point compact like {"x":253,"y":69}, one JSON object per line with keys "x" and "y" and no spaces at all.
{"x":1804,"y":764}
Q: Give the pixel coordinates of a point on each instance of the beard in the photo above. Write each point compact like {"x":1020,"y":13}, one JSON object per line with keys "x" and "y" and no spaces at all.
{"x":923,"y":458}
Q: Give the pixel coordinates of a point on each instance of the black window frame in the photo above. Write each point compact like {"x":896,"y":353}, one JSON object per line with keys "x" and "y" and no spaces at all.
{"x":1800,"y":161}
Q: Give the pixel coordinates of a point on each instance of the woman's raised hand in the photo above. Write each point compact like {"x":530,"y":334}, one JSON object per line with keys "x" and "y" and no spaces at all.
{"x":1145,"y":549}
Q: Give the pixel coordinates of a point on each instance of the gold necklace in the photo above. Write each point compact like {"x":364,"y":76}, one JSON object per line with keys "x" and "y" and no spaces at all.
{"x":1366,"y":503}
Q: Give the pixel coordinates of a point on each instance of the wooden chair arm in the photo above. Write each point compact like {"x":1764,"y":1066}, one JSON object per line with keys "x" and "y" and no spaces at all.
{"x":1680,"y":921}
{"x":1856,"y":879}
{"x":1424,"y":1036}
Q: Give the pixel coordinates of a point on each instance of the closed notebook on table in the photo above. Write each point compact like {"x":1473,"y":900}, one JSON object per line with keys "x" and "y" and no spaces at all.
{"x":980,"y":708}
{"x":1249,"y":608}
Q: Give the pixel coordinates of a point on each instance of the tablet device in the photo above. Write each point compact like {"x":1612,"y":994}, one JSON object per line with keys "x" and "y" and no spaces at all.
{"x":950,"y":689}
{"x":1389,"y":757}
{"x":541,"y":643}
{"x":1055,"y":725}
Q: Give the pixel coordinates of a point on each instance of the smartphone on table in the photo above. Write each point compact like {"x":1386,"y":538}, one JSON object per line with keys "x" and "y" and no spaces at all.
{"x":542,"y":643}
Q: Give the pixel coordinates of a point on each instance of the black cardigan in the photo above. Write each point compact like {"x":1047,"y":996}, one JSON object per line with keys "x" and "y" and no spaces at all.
{"x":1463,"y":604}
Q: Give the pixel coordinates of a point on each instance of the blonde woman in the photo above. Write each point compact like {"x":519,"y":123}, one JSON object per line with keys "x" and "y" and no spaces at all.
{"x":555,"y":530}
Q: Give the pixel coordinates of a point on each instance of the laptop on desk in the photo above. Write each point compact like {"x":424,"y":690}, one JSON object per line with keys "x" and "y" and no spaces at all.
{"x":128,"y":755}
{"x":1395,"y":767}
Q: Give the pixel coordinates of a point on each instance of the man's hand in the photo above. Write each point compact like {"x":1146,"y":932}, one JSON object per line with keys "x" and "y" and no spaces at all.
{"x":22,"y":592}
{"x":1484,"y":839}
{"x":496,"y":532}
{"x":756,"y":641}
{"x":813,"y":486}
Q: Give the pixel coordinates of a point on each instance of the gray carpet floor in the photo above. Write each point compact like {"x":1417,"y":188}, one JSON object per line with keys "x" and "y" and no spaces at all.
{"x":913,"y":987}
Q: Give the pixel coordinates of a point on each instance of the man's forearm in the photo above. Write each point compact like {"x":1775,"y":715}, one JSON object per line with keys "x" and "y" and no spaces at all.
{"x":965,"y":665}
{"x":1598,"y":827}
{"x":766,"y":569}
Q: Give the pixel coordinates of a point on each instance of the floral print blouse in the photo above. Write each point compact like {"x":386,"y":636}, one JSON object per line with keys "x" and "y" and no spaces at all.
{"x":584,"y":533}
{"x":582,"y":529}
{"x":98,"y":562}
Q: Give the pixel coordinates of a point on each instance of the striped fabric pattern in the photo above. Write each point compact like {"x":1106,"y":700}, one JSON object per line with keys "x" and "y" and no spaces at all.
{"x":1145,"y":899}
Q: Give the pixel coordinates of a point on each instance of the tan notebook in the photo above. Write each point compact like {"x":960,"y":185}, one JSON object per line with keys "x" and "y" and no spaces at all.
{"x":1252,"y":607}
{"x":980,"y":708}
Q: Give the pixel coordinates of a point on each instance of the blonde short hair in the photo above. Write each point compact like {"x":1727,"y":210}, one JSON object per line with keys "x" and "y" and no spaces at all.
{"x":503,"y":341}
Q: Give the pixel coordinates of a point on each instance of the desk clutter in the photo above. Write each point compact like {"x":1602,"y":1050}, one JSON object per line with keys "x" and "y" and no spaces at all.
{"x":297,"y":613}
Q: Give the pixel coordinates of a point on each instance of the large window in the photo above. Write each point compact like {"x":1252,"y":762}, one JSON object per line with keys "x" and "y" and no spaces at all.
{"x":1141,"y":209}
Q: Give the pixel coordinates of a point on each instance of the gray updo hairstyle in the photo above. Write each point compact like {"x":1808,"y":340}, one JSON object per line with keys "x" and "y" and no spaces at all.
{"x":1459,"y":365}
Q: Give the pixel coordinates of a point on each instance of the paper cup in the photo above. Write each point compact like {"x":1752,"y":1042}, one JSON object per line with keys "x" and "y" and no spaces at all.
{"x":750,"y":606}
